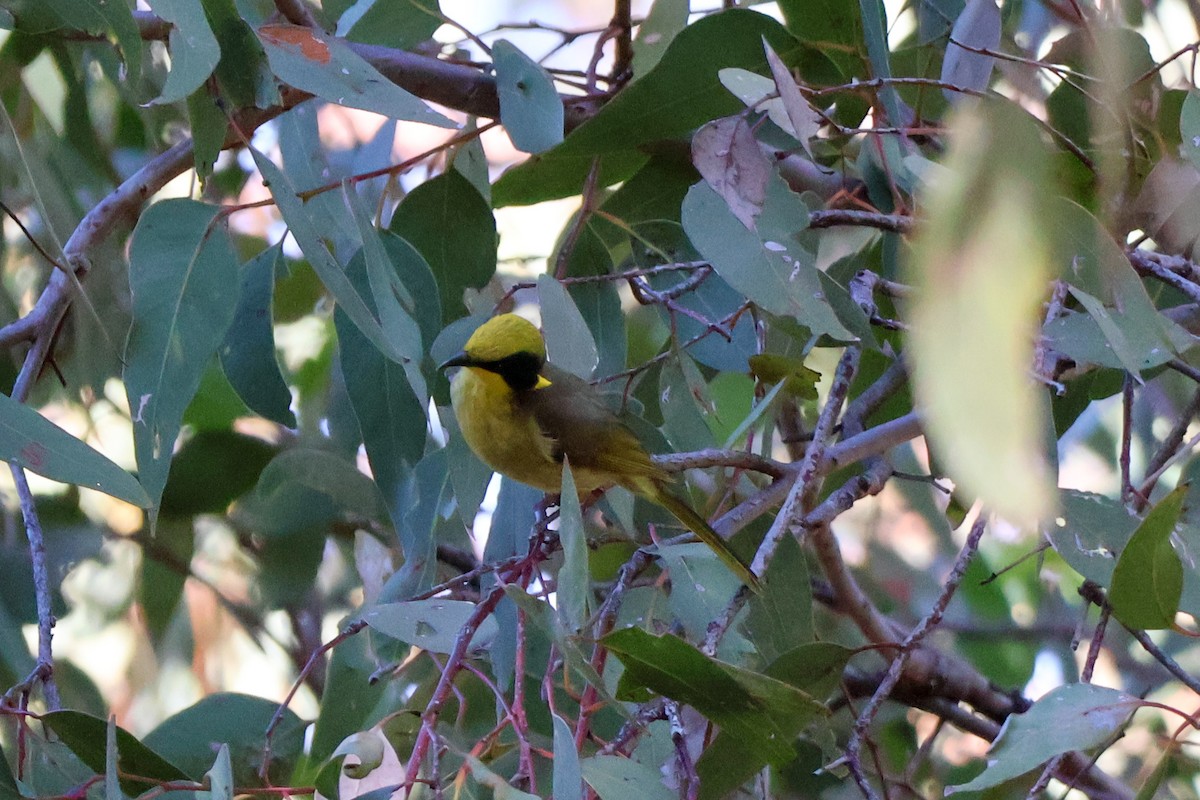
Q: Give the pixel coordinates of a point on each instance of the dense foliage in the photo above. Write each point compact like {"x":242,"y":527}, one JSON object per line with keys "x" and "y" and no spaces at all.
{"x":904,"y":294}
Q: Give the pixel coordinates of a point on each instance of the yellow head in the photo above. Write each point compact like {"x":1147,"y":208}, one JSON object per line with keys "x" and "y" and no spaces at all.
{"x":504,"y":336}
{"x":509,"y":346}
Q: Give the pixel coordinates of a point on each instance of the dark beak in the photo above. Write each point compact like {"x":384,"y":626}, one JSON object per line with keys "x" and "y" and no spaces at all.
{"x":459,"y":359}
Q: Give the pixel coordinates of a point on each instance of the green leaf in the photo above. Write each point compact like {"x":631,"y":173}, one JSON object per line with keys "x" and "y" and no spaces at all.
{"x":112,"y":783}
{"x":238,"y":721}
{"x":393,"y":302}
{"x":161,"y":584}
{"x":8,"y":784}
{"x":349,"y":698}
{"x":301,"y":471}
{"x":183,"y":277}
{"x":87,"y":736}
{"x":752,"y":708}
{"x":248,"y":352}
{"x":243,"y":73}
{"x":779,"y":618}
{"x":1089,"y":531}
{"x":432,"y":625}
{"x":220,"y":777}
{"x":418,"y":507}
{"x":213,"y":469}
{"x":1081,"y":715}
{"x":681,"y":93}
{"x":324,"y":65}
{"x":776,"y":272}
{"x":619,"y":778}
{"x":305,"y":227}
{"x":1148,"y":579}
{"x":452,"y":226}
{"x":568,"y":776}
{"x":573,"y":590}
{"x":1122,"y":328}
{"x":977,"y":27}
{"x":30,"y":441}
{"x":103,"y":17}
{"x":398,"y":25}
{"x":193,"y":47}
{"x":984,"y":413}
{"x":660,"y":27}
{"x":569,"y":343}
{"x":208,"y":126}
{"x":391,"y":418}
{"x":1189,"y":127}
{"x":500,"y":789}
{"x":530,"y":108}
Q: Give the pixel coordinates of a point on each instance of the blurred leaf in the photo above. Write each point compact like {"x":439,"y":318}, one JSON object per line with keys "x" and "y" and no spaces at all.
{"x":8,"y":784}
{"x":983,"y":410}
{"x":193,"y":47}
{"x":183,"y":276}
{"x":112,"y":785}
{"x":798,"y":380}
{"x":349,"y":697}
{"x":569,"y":343}
{"x":727,"y":155}
{"x":500,"y":789}
{"x":87,"y":737}
{"x":248,"y":353}
{"x":1189,"y":127}
{"x":316,"y":472}
{"x":1082,"y":716}
{"x":399,"y":25}
{"x":166,"y":559}
{"x":432,"y":625}
{"x":213,"y":469}
{"x":452,"y":226}
{"x":977,"y":27}
{"x":620,"y":778}
{"x":1148,"y":578}
{"x":243,"y":72}
{"x":102,"y":17}
{"x":568,"y":775}
{"x":325,"y":66}
{"x":30,"y":441}
{"x":674,"y":98}
{"x":530,"y":108}
{"x":235,"y":720}
{"x":662,"y":24}
{"x":208,"y":125}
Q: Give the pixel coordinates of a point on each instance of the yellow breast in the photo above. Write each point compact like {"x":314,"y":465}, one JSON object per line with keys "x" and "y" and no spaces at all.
{"x":506,"y":438}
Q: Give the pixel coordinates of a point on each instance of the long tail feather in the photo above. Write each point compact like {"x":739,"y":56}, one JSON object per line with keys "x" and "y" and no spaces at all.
{"x":704,"y":532}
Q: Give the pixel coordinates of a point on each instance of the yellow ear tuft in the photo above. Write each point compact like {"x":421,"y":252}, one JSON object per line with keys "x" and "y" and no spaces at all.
{"x":503,"y":336}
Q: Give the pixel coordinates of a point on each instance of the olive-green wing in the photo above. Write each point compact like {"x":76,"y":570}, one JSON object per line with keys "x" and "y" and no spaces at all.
{"x":571,"y":412}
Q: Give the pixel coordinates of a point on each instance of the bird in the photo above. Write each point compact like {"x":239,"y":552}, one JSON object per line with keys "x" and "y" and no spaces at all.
{"x":524,"y":417}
